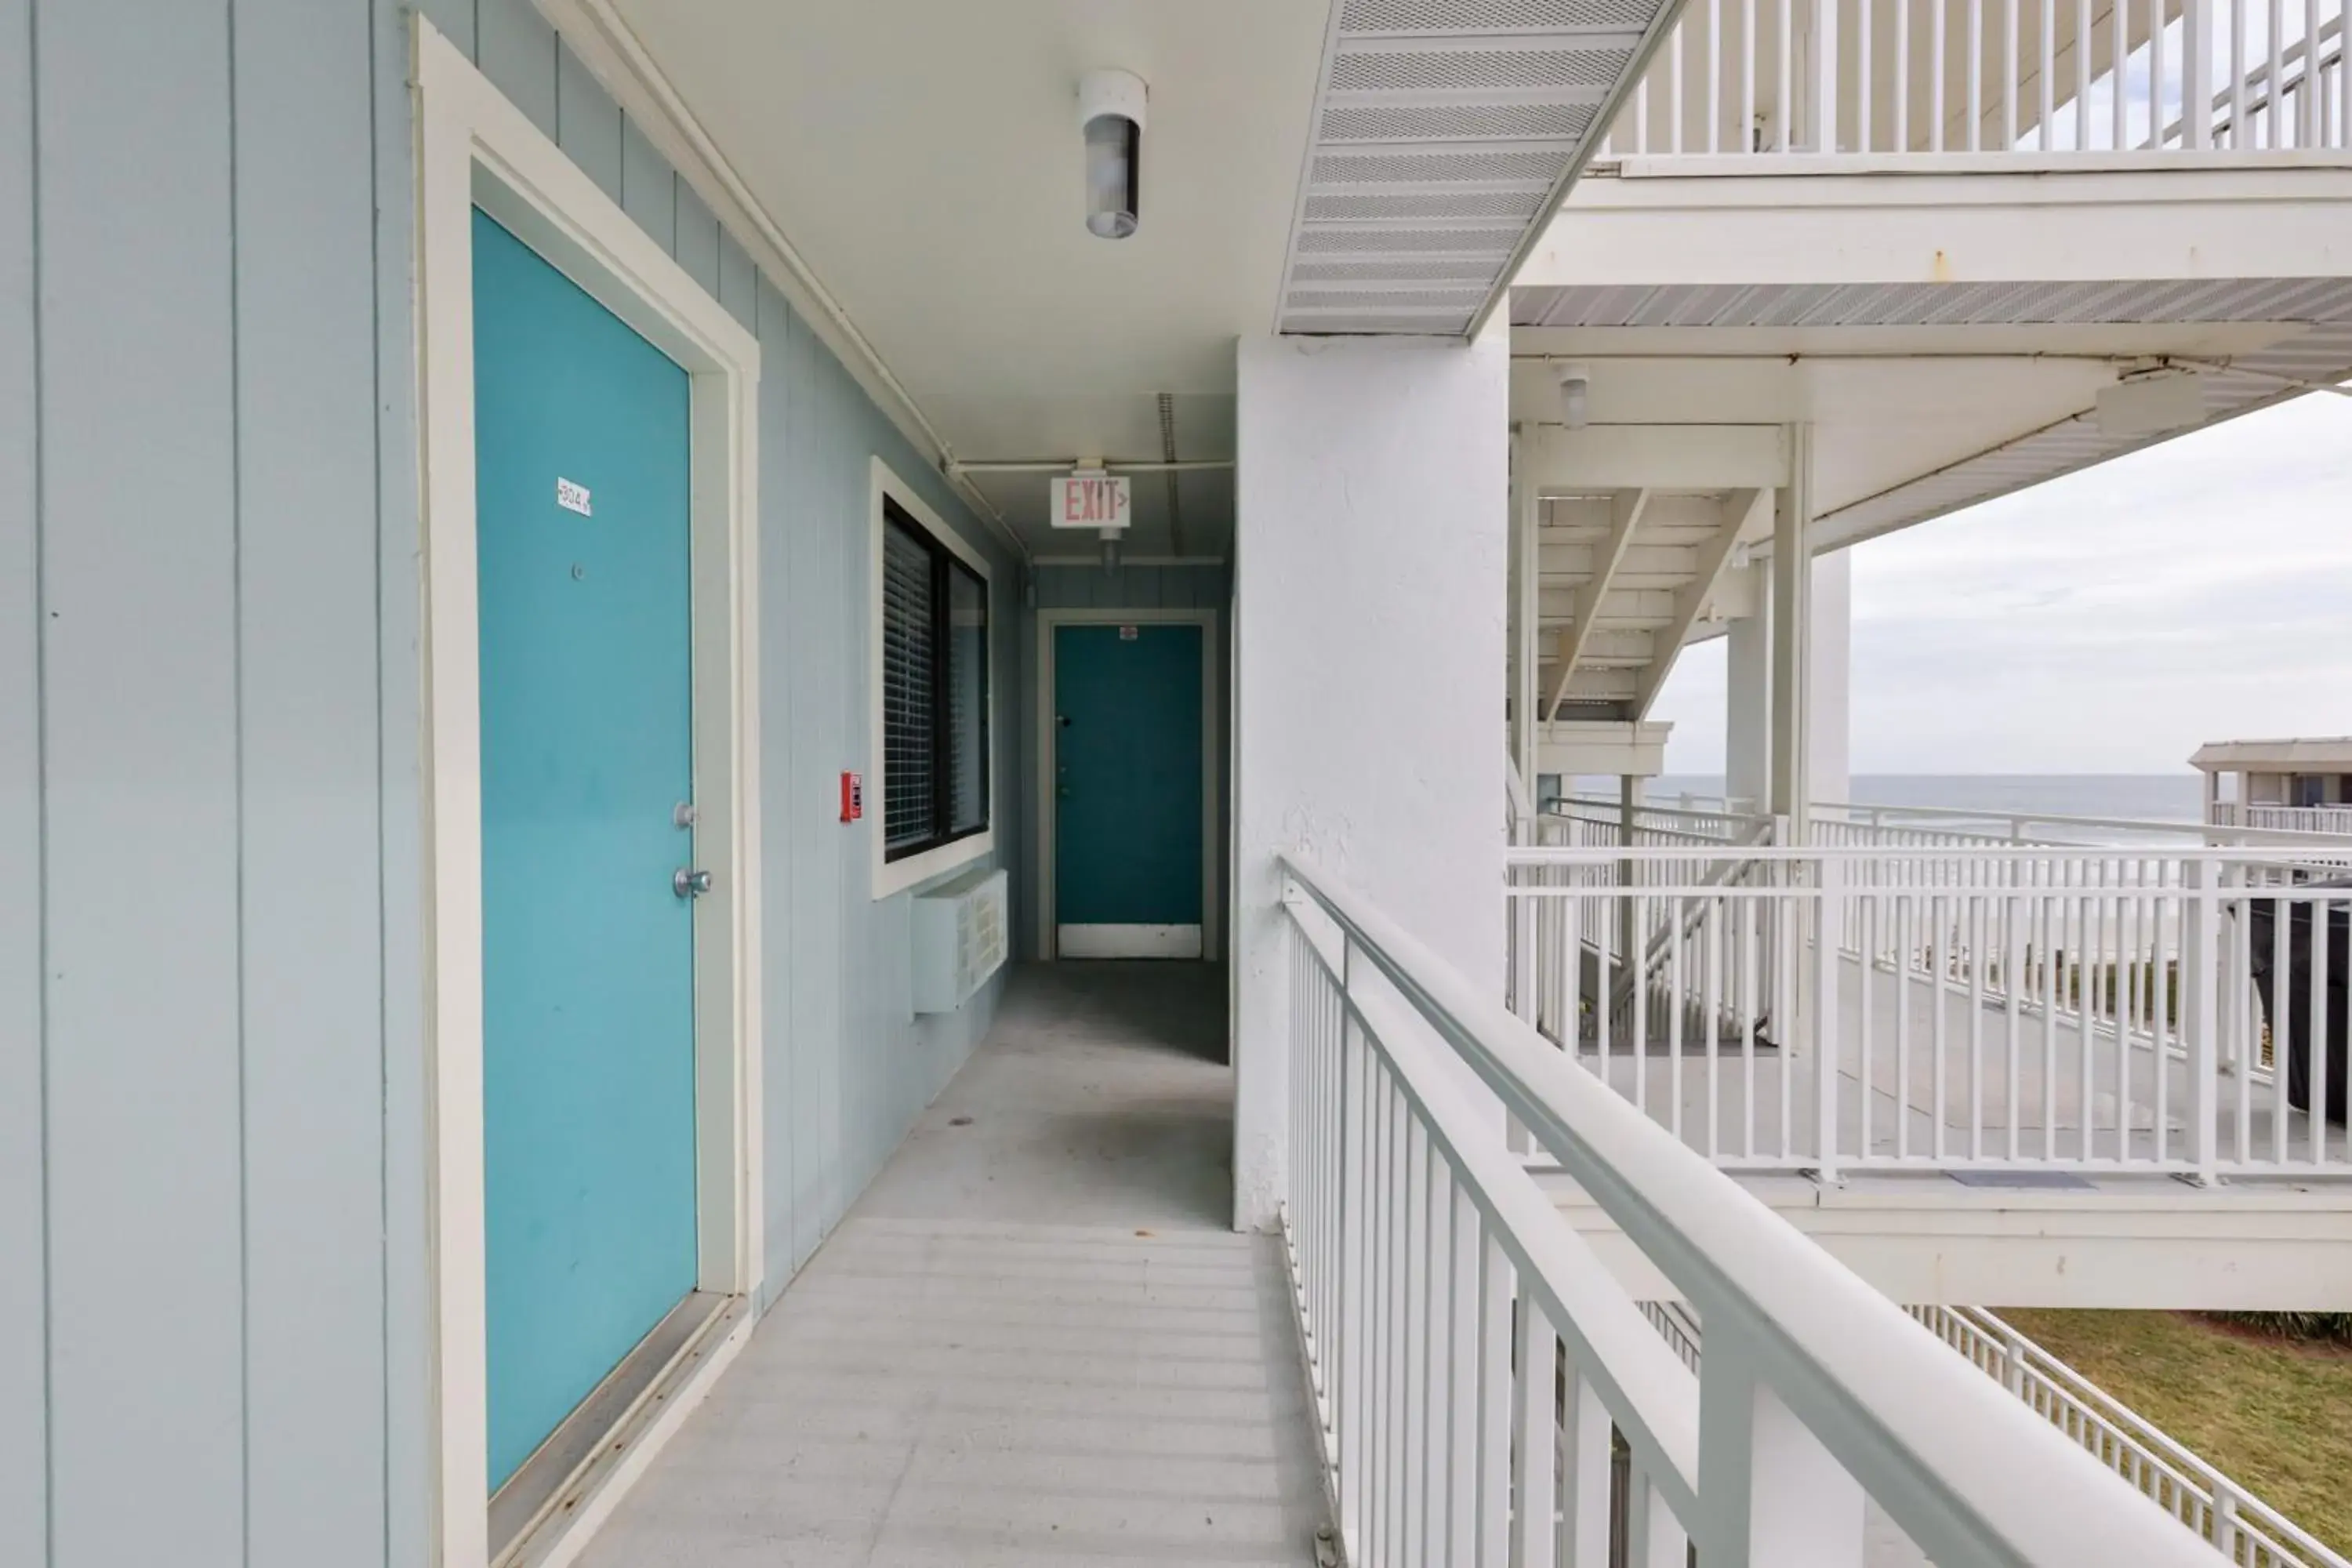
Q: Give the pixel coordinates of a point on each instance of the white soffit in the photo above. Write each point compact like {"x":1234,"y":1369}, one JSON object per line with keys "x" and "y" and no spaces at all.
{"x":2316,"y":347}
{"x":1447,"y":132}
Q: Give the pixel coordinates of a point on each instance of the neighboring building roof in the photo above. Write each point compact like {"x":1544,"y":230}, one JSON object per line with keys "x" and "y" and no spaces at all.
{"x":2322,"y":754}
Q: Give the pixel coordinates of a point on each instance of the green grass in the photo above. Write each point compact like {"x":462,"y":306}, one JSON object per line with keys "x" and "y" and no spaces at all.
{"x":2274,"y":1415}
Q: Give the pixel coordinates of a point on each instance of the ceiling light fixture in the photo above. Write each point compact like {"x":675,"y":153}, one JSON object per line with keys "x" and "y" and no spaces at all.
{"x":1575,"y":389}
{"x":1110,"y":112}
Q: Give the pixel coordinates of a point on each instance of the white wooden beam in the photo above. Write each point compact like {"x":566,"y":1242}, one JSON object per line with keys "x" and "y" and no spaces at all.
{"x":1739,"y":510}
{"x":1625,"y":510}
{"x":1679,"y":456}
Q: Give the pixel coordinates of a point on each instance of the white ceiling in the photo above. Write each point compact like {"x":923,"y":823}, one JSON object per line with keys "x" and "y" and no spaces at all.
{"x":1308,"y":165}
{"x":924,"y":158}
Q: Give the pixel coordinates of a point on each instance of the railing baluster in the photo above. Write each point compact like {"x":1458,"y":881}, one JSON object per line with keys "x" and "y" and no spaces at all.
{"x":1534,"y":1430}
{"x":2273,"y":117}
{"x":1976,"y":43}
{"x":1784,"y":110}
{"x":2046,"y":67}
{"x":2009,"y":75}
{"x":1902,"y":103}
{"x":2083,"y":72}
{"x":2311,"y":97}
{"x":2316,"y":1051}
{"x":1715,"y":67}
{"x":1467,"y":1321}
{"x":1412,"y":1467}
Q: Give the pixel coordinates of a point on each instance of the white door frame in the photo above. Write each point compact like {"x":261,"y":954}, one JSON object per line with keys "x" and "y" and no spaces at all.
{"x":474,"y":148}
{"x":1212,"y":734}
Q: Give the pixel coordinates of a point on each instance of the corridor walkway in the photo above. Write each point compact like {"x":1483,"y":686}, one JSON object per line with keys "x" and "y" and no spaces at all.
{"x":1036,"y":1340}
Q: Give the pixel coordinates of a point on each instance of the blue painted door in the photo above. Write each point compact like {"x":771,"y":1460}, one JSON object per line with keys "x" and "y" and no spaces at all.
{"x":1127,"y":788}
{"x":587,"y":950}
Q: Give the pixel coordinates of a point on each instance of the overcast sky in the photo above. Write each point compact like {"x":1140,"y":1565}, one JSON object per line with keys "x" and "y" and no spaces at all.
{"x":2109,"y":622}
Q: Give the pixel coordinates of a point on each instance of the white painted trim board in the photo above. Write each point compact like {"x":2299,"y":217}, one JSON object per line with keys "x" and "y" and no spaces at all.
{"x":474,"y":147}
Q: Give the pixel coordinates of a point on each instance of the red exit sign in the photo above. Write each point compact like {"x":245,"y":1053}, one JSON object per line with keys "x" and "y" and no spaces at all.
{"x":1089,"y":500}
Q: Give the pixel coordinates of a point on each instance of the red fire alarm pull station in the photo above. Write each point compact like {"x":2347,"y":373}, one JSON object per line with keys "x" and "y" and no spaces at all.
{"x":853,"y":796}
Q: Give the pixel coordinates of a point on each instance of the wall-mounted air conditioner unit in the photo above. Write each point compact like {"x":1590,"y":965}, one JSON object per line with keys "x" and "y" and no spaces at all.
{"x":962,"y":935}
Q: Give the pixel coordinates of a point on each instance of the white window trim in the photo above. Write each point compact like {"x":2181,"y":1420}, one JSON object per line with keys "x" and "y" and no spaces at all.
{"x":894,"y":876}
{"x":475,"y":148}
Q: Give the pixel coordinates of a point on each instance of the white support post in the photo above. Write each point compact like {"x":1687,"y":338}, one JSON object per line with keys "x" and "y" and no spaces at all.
{"x":1371,"y":485}
{"x":1525,"y":546}
{"x":1820,"y":1010}
{"x":2201,"y":1018}
{"x":1791,"y":635}
{"x":1629,"y":814}
{"x":1829,"y":663}
{"x":1771,"y":1495}
{"x":1748,"y":702}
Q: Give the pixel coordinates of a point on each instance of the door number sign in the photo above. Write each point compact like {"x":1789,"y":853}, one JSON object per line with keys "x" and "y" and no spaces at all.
{"x":572,"y":497}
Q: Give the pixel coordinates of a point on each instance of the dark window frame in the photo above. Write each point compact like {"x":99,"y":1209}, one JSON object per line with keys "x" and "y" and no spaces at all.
{"x":945,"y":564}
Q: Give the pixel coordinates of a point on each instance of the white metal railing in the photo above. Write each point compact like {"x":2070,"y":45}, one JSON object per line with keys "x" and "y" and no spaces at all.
{"x":2247,"y":1531}
{"x":1989,"y":1005}
{"x":1899,"y":76}
{"x":2282,"y":818}
{"x":1473,"y":1363}
{"x":1698,"y":819}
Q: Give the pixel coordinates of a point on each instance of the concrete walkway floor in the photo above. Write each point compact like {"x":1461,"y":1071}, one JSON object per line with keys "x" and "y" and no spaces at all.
{"x":1035,"y":1340}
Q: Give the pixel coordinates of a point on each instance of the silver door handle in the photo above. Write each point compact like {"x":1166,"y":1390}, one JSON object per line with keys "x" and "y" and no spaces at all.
{"x":689,"y":883}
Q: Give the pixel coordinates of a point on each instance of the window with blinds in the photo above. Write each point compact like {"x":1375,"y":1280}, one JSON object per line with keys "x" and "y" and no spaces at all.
{"x":934,"y":691}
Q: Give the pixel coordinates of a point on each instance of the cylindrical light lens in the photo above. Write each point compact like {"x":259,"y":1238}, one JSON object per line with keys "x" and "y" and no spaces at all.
{"x":1113,"y":142}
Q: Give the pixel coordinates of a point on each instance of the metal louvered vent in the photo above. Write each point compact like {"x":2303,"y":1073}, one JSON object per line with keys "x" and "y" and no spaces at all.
{"x":1446,"y":130}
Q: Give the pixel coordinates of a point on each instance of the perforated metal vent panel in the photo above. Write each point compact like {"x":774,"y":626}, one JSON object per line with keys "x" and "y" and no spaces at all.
{"x":1443,"y":131}
{"x":1362,"y":16}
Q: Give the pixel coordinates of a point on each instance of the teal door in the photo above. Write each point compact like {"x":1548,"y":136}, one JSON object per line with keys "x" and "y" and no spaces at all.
{"x":580,"y":453}
{"x":1127,"y":799}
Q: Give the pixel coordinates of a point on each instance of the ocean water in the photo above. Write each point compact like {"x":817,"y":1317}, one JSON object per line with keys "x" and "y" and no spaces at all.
{"x":2148,"y":797}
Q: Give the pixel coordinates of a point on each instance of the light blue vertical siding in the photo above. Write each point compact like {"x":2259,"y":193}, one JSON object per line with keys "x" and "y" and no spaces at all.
{"x":23,"y":1328}
{"x":140,"y":595}
{"x":214,"y":1328}
{"x":309,"y":868}
{"x":515,"y":48}
{"x":211,"y":1331}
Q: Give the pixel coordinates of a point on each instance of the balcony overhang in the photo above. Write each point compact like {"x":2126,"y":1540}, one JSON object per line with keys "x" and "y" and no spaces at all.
{"x":1946,"y":321}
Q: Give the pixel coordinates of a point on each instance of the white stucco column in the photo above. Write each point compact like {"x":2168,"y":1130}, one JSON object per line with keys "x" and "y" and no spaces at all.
{"x":1829,"y":725}
{"x":1369,"y":597}
{"x":1748,"y":699}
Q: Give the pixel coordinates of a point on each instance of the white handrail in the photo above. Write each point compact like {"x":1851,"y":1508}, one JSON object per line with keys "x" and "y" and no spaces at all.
{"x":2197,"y":1492}
{"x":1953,"y":1461}
{"x":1411,"y":1454}
{"x":2007,"y":825}
{"x":1934,"y":1006}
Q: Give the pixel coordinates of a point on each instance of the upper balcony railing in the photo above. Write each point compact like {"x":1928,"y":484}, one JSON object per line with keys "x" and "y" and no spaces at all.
{"x":1880,"y":998}
{"x":2282,"y":818}
{"x":1474,"y":1366}
{"x":1904,"y":78}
